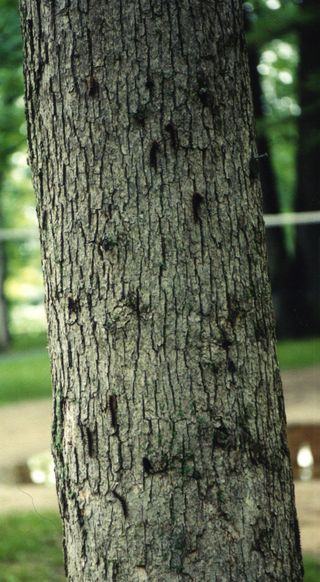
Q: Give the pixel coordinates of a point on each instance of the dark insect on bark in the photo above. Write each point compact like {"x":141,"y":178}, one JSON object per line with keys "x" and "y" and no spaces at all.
{"x":231,"y":367}
{"x":44,"y":220}
{"x":140,"y":115}
{"x":150,"y":84}
{"x":113,"y":411}
{"x":107,"y":243}
{"x":92,"y":444}
{"x":197,"y":200}
{"x":92,"y":86}
{"x":140,"y":118}
{"x":205,"y":96}
{"x":172,"y":130}
{"x":147,"y":467}
{"x":223,"y":438}
{"x":73,"y":306}
{"x":155,"y":148}
{"x":69,"y":353}
{"x":225,"y":342}
{"x":204,"y":93}
{"x":133,"y":300}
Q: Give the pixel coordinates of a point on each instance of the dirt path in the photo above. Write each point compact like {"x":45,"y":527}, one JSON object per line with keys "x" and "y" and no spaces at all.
{"x":25,"y":429}
{"x":302,"y":395}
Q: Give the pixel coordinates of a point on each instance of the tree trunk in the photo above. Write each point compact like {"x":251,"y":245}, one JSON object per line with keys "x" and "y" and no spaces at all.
{"x":4,"y":319}
{"x":4,"y":328}
{"x":169,"y":427}
{"x":304,"y":278}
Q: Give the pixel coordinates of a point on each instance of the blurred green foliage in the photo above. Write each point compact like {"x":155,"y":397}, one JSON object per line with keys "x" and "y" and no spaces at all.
{"x":15,"y":179}
{"x":12,"y":124}
{"x":16,"y":193}
{"x":273,"y":32}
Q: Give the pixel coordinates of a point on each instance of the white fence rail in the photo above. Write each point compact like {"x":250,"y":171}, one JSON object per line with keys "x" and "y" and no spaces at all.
{"x":292,"y":218}
{"x":18,"y":233}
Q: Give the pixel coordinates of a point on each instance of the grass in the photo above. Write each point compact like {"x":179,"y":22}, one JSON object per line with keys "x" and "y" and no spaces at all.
{"x":24,"y":376}
{"x":30,"y":548}
{"x":311,"y":569}
{"x":299,"y":353}
{"x":28,"y":341}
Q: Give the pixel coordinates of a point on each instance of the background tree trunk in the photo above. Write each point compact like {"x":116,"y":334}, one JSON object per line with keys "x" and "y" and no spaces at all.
{"x":304,"y":276}
{"x":4,"y":328}
{"x":169,"y":426}
{"x":278,"y":259}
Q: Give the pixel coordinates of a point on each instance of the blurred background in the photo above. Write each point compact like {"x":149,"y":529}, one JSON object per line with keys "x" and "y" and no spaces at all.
{"x":283,"y":38}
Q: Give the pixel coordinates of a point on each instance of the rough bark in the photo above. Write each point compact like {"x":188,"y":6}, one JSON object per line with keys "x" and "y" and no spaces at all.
{"x":169,"y":426}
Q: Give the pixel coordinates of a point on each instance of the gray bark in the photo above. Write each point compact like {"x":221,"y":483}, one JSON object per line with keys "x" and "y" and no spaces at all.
{"x":169,"y":426}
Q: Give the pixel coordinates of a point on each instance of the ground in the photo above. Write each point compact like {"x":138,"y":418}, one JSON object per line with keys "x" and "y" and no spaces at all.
{"x":25,"y":430}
